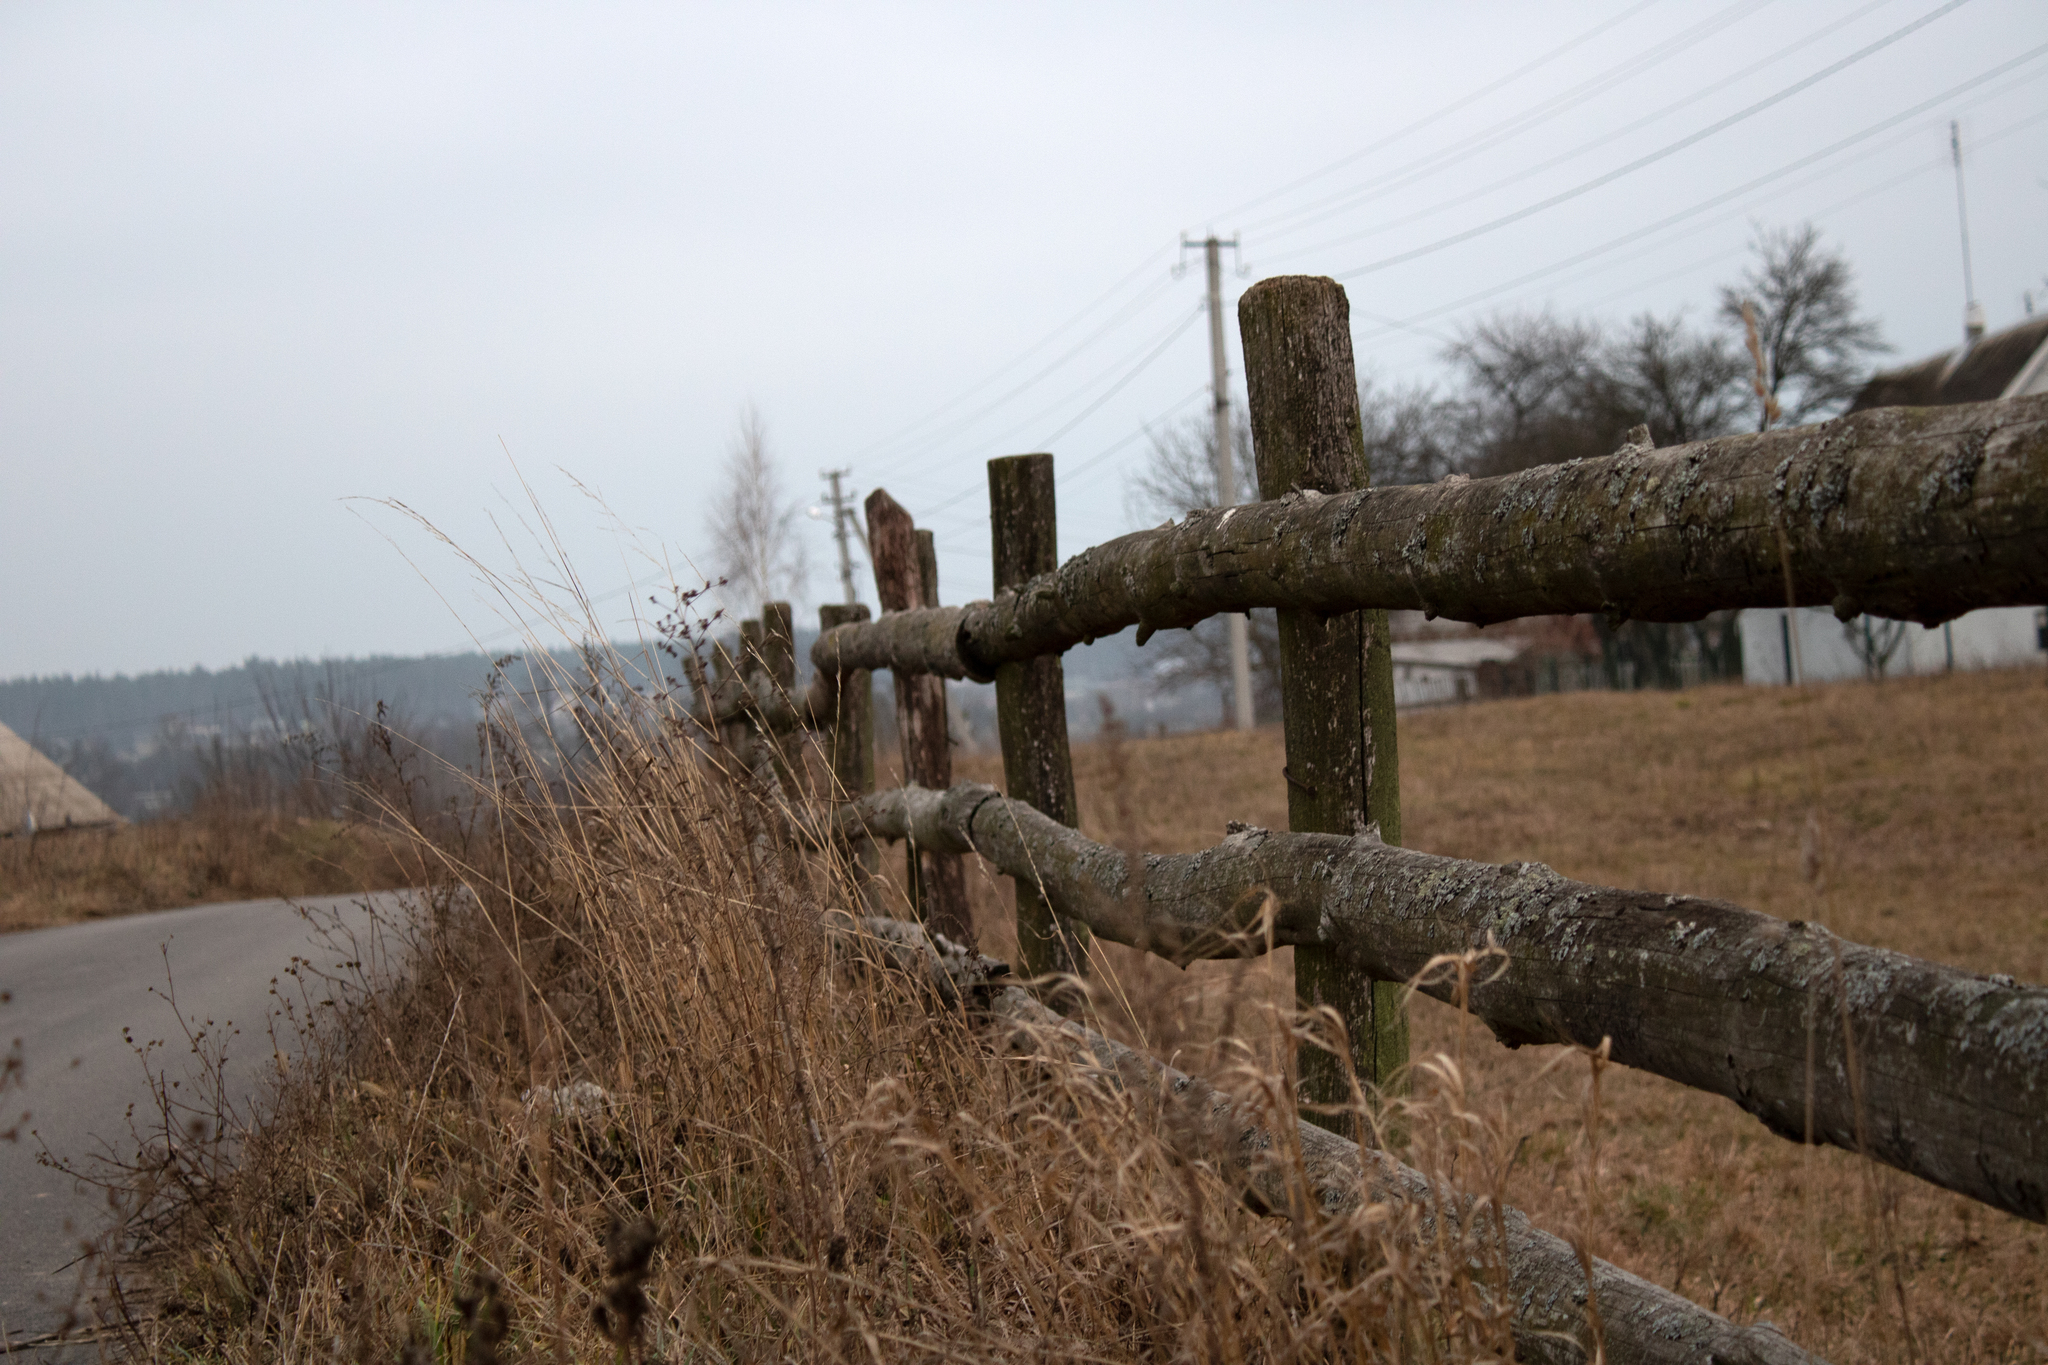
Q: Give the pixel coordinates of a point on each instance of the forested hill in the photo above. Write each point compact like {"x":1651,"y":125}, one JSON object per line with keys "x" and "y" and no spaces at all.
{"x":127,"y":712}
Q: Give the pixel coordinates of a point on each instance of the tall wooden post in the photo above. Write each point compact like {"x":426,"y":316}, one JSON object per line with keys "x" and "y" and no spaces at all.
{"x":1031,"y":702}
{"x":774,"y":678}
{"x":851,"y":744}
{"x":1336,"y":672}
{"x":938,"y":883}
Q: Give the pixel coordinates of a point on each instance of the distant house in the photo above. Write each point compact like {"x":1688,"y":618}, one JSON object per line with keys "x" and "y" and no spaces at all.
{"x":36,"y":794}
{"x":2008,"y":364}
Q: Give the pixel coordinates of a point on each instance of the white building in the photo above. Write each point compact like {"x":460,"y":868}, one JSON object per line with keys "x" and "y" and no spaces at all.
{"x":1827,"y":650}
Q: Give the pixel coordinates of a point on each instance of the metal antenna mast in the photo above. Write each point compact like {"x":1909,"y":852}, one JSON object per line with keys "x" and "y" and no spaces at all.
{"x":1226,"y":470}
{"x":1973,"y":312}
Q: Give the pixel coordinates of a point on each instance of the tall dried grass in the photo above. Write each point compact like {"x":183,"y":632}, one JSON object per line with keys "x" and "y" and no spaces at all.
{"x":625,"y":1105}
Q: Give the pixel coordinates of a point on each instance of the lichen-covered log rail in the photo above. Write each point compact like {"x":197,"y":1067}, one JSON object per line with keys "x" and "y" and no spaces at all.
{"x":1950,"y":1069}
{"x":1546,"y":1284}
{"x":1914,"y":513}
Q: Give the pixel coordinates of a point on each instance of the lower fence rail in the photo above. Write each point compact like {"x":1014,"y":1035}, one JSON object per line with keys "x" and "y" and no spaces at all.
{"x":1938,"y":1072}
{"x":1306,"y":1172}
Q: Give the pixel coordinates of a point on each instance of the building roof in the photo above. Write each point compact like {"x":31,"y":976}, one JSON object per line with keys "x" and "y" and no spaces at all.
{"x":36,"y":794}
{"x":2003,"y":365}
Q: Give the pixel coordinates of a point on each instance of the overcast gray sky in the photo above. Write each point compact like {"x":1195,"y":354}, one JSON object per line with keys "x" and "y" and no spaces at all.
{"x":259,"y":260}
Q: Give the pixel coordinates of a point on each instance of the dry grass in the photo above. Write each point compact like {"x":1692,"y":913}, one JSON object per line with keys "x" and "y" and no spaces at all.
{"x":777,"y":1158}
{"x":231,"y":853}
{"x":1929,"y":834}
{"x":832,"y":1170}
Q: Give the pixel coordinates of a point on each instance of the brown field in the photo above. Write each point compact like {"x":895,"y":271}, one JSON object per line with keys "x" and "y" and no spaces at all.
{"x":1931,"y":812}
{"x":227,"y":854}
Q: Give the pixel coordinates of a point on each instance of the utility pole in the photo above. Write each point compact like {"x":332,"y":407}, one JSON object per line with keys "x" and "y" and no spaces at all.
{"x":842,"y":501}
{"x":1973,"y":312}
{"x":1226,"y":471}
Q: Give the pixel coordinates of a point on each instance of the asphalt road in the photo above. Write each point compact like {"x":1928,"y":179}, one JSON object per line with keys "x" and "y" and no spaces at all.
{"x":74,"y":997}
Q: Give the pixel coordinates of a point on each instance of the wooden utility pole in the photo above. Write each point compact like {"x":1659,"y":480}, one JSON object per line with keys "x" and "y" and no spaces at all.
{"x":906,"y":576}
{"x":1336,"y":672}
{"x":1226,"y":472}
{"x":1031,"y":702}
{"x":842,"y":520}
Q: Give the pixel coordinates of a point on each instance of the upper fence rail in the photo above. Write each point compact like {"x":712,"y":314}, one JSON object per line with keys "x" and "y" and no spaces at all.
{"x":1919,"y":514}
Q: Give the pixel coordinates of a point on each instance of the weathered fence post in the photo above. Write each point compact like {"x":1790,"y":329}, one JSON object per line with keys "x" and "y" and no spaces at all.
{"x":778,"y":646}
{"x":1031,"y":702}
{"x":938,"y":883}
{"x":1336,"y":672}
{"x":851,"y":747}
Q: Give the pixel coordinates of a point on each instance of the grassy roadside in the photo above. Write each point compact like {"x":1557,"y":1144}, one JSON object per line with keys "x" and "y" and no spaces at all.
{"x":224,"y":854}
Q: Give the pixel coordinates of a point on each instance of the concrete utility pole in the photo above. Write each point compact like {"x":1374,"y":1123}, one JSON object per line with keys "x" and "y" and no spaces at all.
{"x":1226,"y":472}
{"x":842,"y":518}
{"x":1973,"y":312}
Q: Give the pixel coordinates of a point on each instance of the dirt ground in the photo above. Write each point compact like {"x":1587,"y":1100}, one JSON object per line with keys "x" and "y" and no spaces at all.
{"x":1922,"y":807}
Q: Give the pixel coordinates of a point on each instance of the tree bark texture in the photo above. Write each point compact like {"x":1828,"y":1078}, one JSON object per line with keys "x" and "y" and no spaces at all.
{"x":938,"y":883}
{"x":1336,"y":671}
{"x":1915,"y":513}
{"x":1545,"y":1283}
{"x":1031,"y":701}
{"x":1952,"y":1067}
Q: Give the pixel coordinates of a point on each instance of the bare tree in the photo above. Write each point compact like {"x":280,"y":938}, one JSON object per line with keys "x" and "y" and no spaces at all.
{"x":1178,"y":476}
{"x":1411,"y":435}
{"x":1179,"y":473}
{"x":1684,"y":385}
{"x":1525,"y":391}
{"x":1815,"y":346}
{"x":753,"y":524}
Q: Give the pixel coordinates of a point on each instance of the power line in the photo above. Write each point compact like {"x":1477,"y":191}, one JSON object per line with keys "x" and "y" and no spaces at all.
{"x":1118,"y":387}
{"x":1142,"y":355}
{"x":1144,"y":428}
{"x":1716,"y":200}
{"x":1433,"y":163}
{"x":1798,"y":164}
{"x":1021,"y":357}
{"x":1463,"y":102}
{"x":1130,"y":310}
{"x":1612,"y":135}
{"x":1445,"y":111}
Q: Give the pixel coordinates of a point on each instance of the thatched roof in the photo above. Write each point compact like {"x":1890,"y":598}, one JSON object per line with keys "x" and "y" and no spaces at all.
{"x":34,"y":788}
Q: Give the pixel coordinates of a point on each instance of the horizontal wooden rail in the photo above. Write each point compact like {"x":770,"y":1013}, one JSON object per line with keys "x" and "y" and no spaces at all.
{"x":1943,"y":1074}
{"x":1914,"y":513}
{"x":1546,"y":1283}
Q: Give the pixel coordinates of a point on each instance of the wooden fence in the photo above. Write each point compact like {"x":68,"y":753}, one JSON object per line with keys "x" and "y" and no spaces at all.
{"x":1917,"y":514}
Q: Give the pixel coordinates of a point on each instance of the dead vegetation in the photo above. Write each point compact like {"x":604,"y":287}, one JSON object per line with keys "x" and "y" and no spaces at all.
{"x":229,"y":852}
{"x":325,"y":812}
{"x":1916,"y":804}
{"x":626,"y":1107}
